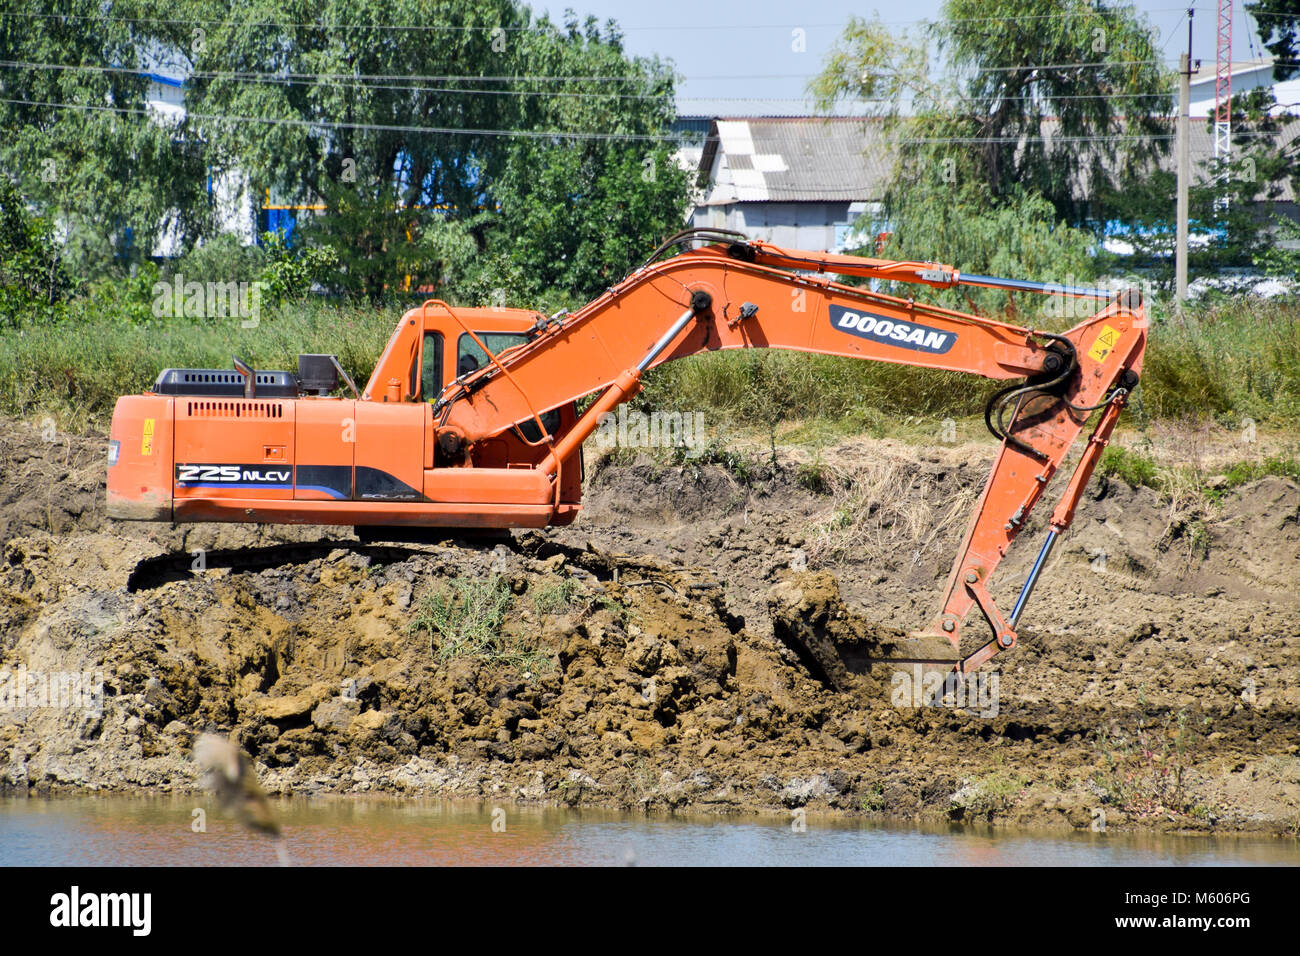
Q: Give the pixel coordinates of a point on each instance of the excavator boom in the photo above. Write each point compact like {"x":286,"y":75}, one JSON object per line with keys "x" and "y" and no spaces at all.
{"x":488,"y":434}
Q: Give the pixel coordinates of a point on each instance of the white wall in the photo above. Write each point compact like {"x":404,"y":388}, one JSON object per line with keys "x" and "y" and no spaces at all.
{"x":815,"y":226}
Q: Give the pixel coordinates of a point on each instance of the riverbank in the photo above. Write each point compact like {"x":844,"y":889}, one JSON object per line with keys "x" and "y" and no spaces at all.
{"x":631,"y":662}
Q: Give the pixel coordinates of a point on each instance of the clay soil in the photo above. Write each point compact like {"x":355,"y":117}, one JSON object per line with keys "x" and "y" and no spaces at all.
{"x":655,"y":655}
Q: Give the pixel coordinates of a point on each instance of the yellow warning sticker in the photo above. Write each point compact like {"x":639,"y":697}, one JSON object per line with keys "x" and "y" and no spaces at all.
{"x":146,"y":443}
{"x":1105,"y":342}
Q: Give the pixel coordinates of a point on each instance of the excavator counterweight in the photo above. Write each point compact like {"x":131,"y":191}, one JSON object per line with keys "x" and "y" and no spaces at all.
{"x":471,"y":417}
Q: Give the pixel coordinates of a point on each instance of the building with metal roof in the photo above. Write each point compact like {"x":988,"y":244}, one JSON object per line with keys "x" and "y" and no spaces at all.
{"x":808,"y":181}
{"x":792,"y":180}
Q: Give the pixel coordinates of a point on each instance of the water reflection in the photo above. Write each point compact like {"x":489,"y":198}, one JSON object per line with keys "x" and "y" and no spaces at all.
{"x":123,"y":831}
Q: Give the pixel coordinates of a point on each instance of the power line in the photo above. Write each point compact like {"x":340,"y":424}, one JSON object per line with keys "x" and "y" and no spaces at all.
{"x":283,"y":76}
{"x":1016,"y":140}
{"x":559,"y":134}
{"x":171,"y":21}
{"x":1174,"y":30}
{"x":1271,"y":16}
{"x":337,"y":80}
{"x":448,"y":28}
{"x":330,"y":78}
{"x":367,"y":127}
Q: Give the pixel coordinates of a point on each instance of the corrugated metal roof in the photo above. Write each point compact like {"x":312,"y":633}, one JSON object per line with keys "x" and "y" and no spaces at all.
{"x":1200,"y":149}
{"x":797,"y":159}
{"x":838,"y":159}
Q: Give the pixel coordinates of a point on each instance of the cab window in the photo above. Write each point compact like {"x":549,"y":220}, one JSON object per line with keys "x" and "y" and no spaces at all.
{"x":470,"y":357}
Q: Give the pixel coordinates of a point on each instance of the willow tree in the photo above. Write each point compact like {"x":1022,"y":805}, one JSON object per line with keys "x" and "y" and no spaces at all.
{"x":77,"y":138}
{"x":417,"y":121}
{"x":1027,"y":106}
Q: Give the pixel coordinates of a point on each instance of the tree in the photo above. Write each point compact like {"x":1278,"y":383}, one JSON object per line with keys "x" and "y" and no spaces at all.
{"x":1277,"y":259}
{"x":31,"y":267}
{"x":1278,"y":25}
{"x":418,"y":123}
{"x":579,"y":214}
{"x":343,"y":85}
{"x":289,"y":273}
{"x":76,"y":139}
{"x":568,"y":170}
{"x":1229,"y":205}
{"x":1018,"y":235}
{"x":1051,"y":96}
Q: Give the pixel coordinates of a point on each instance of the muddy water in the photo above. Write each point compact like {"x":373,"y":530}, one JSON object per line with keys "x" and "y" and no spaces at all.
{"x":120,"y":831}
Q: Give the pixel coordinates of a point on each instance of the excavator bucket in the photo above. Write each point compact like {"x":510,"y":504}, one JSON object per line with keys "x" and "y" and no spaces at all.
{"x":841,"y":648}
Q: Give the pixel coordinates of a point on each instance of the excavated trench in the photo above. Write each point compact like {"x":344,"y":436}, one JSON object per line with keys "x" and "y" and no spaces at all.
{"x":693,"y":642}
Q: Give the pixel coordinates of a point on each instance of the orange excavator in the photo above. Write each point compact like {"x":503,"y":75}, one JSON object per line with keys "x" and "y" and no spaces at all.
{"x":471,"y":417}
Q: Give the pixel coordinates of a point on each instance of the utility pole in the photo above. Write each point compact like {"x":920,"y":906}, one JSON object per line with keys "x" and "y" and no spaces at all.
{"x":1183,"y":149}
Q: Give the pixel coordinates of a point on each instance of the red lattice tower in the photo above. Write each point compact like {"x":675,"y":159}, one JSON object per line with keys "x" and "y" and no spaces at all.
{"x":1223,"y":83}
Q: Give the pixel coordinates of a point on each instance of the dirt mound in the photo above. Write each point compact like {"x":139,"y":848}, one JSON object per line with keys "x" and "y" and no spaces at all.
{"x":705,"y":650}
{"x":49,"y":480}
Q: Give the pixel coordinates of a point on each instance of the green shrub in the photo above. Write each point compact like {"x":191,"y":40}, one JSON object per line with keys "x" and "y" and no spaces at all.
{"x":1247,"y":471}
{"x":1129,"y":466}
{"x":290,"y":273}
{"x":33,"y":279}
{"x":466,"y":617}
{"x":814,"y":476}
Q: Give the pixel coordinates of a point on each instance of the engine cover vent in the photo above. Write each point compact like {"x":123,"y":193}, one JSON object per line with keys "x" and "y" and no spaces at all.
{"x":240,"y":409}
{"x":223,"y":382}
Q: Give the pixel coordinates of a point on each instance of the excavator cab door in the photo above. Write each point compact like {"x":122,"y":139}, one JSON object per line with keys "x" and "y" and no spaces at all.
{"x":431,"y":370}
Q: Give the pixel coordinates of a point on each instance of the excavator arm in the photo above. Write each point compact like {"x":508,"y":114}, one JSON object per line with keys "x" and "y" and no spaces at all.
{"x":739,"y":294}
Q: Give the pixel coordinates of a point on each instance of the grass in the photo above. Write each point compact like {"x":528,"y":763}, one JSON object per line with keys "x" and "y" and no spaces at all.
{"x":886,"y":511}
{"x":1130,"y":466}
{"x":1228,"y":362}
{"x":76,"y":370}
{"x":466,"y":618}
{"x":1246,"y":471}
{"x":815,"y":476}
{"x":873,"y":801}
{"x":1140,"y":471}
{"x":1190,"y":490}
{"x":744,"y":387}
{"x":739,"y":464}
{"x":554,"y":597}
{"x":990,"y":795}
{"x":1225,"y":361}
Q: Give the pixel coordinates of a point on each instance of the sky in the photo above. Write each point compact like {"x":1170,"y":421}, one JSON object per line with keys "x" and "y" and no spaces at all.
{"x":738,"y":49}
